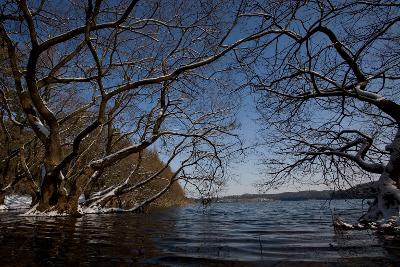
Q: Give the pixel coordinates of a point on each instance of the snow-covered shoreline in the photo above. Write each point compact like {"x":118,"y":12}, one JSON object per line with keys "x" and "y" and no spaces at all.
{"x":14,"y":202}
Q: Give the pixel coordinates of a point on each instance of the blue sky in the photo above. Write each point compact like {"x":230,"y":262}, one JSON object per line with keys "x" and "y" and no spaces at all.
{"x":248,"y":170}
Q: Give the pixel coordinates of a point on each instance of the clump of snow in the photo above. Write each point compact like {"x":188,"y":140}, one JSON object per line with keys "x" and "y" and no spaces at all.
{"x":36,"y":213}
{"x":91,"y":210}
{"x":99,"y":210}
{"x":94,"y":209}
{"x":339,"y":224}
{"x":81,"y":199}
{"x":42,"y":128}
{"x":33,"y":212}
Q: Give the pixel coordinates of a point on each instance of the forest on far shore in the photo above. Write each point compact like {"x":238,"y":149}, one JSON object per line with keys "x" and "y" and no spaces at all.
{"x":362,"y":191}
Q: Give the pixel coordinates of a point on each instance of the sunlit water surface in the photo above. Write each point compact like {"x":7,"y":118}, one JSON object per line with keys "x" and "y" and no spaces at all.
{"x":277,"y":233}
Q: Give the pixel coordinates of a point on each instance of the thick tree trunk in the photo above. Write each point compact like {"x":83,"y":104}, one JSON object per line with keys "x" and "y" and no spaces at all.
{"x":2,"y":198}
{"x":4,"y":177}
{"x":35,"y":196}
{"x":48,"y":194}
{"x":70,"y":205}
{"x":52,"y":190}
{"x":53,"y":194}
{"x":387,"y":203}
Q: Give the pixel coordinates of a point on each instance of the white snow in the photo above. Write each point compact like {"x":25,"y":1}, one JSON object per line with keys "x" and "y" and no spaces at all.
{"x":382,"y":209}
{"x":91,"y":210}
{"x":81,"y":199}
{"x":13,"y":202}
{"x":42,"y":128}
{"x":33,"y":212}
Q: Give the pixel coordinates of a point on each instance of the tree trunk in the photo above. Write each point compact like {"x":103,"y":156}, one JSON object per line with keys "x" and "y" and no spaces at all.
{"x":48,"y":192}
{"x":52,"y":190}
{"x":78,"y":188}
{"x":386,"y":203}
{"x":35,"y":196}
{"x":2,"y":198}
{"x":57,"y":198}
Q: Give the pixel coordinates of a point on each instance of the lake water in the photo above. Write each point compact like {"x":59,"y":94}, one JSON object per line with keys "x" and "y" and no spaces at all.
{"x":277,"y":233}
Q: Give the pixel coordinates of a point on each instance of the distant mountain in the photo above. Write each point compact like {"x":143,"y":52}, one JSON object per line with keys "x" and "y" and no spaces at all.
{"x":362,"y":191}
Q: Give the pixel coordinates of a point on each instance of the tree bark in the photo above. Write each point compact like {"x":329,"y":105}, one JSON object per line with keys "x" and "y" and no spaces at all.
{"x":70,"y":205}
{"x":2,"y":198}
{"x":386,"y":203}
{"x":52,"y":191}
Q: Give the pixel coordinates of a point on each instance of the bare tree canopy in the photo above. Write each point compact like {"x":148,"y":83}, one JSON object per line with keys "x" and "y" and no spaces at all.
{"x":119,"y":77}
{"x":329,"y":96}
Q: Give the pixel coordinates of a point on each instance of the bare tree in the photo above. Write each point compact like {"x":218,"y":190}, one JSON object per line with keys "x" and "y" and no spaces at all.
{"x":16,"y":142}
{"x":329,"y":87}
{"x":150,"y":69}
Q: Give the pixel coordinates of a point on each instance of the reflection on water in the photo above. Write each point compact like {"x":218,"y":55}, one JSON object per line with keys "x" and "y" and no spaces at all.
{"x":252,"y":233}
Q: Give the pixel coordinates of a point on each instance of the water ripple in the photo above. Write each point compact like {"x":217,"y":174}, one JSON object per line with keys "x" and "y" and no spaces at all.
{"x":252,"y":233}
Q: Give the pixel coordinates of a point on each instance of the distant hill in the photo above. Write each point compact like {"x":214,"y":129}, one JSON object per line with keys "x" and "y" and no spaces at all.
{"x":362,"y":191}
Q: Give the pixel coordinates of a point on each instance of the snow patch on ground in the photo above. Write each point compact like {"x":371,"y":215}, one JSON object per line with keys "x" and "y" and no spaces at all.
{"x":385,"y":225}
{"x":13,"y":202}
{"x":33,"y":212}
{"x":100,"y":210}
